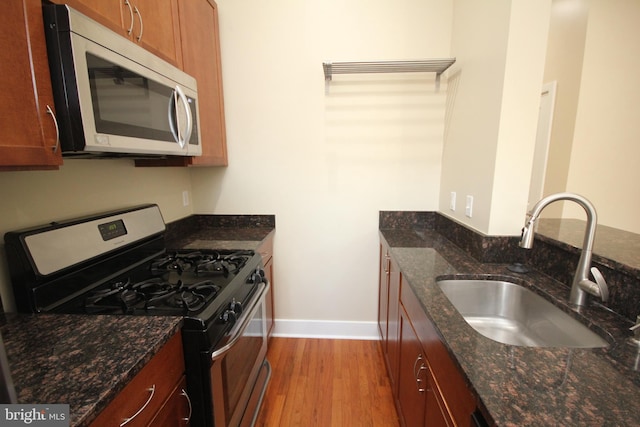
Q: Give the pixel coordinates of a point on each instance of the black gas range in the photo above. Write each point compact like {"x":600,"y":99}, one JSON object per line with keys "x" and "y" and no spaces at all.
{"x":116,"y":263}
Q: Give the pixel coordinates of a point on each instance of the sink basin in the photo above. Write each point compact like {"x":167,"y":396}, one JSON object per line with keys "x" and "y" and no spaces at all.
{"x":514,"y":315}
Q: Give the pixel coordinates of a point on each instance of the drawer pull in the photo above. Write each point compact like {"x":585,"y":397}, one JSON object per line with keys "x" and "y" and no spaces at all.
{"x":416,"y":373}
{"x":55,"y":123}
{"x":137,"y":12}
{"x":152,"y":390}
{"x":184,"y":393}
{"x":130,"y":29}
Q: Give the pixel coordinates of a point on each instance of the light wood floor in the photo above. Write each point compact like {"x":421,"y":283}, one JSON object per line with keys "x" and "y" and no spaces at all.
{"x":323,"y":383}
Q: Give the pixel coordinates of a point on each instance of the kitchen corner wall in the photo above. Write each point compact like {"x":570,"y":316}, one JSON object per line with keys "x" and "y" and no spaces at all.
{"x":326,"y":164}
{"x":83,"y":187}
{"x":493,"y":111}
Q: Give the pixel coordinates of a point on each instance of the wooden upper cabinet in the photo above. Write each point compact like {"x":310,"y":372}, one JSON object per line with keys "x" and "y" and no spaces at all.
{"x":156,"y":27}
{"x":106,"y":12}
{"x":201,"y":59}
{"x":153,"y":24}
{"x":29,"y":136}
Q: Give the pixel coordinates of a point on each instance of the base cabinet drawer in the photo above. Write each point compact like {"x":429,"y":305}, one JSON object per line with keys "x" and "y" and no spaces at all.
{"x":177,"y":410}
{"x":144,"y":397}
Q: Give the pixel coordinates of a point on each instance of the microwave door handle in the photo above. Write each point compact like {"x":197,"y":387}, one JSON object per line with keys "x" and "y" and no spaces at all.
{"x":187,"y":110}
{"x":173,"y":116}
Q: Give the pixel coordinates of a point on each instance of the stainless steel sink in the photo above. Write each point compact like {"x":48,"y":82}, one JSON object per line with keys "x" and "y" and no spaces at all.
{"x":514,"y":315}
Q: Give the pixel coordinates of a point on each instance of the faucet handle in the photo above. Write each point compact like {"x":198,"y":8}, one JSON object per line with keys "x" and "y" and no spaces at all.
{"x":598,"y":288}
{"x":602,"y":284}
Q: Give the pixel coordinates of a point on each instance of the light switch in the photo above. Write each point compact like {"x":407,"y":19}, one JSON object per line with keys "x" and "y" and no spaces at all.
{"x":468,"y":210}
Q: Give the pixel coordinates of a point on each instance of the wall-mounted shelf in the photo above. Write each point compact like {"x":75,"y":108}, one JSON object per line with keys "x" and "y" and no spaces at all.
{"x":437,"y":66}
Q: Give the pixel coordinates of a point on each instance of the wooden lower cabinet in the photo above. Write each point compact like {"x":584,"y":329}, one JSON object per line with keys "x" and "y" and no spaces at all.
{"x":429,"y":389}
{"x":388,"y":316}
{"x":456,"y":401}
{"x":412,"y":378}
{"x":177,"y":409}
{"x":156,"y":396}
{"x":266,"y":251}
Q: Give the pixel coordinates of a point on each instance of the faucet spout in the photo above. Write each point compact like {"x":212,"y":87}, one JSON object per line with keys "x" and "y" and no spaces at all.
{"x":581,"y":284}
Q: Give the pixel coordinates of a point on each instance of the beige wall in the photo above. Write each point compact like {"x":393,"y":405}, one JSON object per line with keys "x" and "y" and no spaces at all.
{"x":326,"y":164}
{"x":565,"y":53}
{"x":606,"y":148}
{"x":83,"y":187}
{"x":493,"y":114}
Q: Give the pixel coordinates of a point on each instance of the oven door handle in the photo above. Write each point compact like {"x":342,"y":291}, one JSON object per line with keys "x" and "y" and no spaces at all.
{"x":243,"y":322}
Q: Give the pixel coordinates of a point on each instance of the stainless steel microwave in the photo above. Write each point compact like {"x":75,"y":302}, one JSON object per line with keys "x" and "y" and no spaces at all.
{"x":114,"y":98}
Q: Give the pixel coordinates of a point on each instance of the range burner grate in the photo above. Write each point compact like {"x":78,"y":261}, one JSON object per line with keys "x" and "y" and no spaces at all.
{"x":201,"y":263}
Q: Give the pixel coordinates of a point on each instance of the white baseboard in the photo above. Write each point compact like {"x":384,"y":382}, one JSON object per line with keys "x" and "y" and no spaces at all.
{"x":326,"y":329}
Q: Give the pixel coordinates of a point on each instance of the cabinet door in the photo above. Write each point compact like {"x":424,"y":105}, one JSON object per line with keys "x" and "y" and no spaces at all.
{"x":29,"y":137}
{"x":393,"y":316}
{"x":109,"y":13}
{"x":383,"y":297}
{"x":156,"y":27}
{"x":388,"y":303}
{"x":447,"y":381}
{"x":436,"y":414}
{"x":201,"y":59}
{"x":412,"y":375}
{"x":266,"y":252}
{"x":154,"y":24}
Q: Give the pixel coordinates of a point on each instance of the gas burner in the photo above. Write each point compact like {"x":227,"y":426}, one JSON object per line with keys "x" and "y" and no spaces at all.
{"x":172,"y":262}
{"x":227,"y":264}
{"x":188,"y":298}
{"x":120,"y":296}
{"x":155,"y":286}
{"x":201,"y":263}
{"x":152,"y":295}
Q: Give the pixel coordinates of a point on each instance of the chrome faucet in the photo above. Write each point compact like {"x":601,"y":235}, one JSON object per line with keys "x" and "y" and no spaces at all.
{"x":581,"y":284}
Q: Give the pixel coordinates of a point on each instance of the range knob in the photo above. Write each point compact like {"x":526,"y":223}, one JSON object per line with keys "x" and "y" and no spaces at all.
{"x":229,"y":316}
{"x":257,"y":276}
{"x":235,"y":306}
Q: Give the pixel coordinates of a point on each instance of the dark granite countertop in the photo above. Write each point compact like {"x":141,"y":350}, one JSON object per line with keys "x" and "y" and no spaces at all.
{"x":617,"y":247}
{"x":524,"y":386}
{"x":83,"y":361}
{"x":220,"y":231}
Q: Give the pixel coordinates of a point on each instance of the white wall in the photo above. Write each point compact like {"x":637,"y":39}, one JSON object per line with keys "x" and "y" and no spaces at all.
{"x":83,"y":187}
{"x":326,"y":164}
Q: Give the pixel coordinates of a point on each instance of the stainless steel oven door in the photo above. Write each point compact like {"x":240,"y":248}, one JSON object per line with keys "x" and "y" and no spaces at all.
{"x":239,"y":371}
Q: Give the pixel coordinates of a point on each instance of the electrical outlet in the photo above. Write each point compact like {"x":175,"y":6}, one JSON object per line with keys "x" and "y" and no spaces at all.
{"x":468,"y":210}
{"x":185,"y":198}
{"x":452,"y":201}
